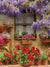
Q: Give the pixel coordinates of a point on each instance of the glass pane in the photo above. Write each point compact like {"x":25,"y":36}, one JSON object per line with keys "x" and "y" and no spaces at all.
{"x":19,"y":19}
{"x":29,"y":29}
{"x":20,"y":28}
{"x":29,"y":19}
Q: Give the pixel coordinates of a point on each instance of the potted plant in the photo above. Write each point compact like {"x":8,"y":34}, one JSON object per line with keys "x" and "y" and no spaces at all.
{"x":16,"y":34}
{"x":27,"y":39}
{"x":1,"y":40}
{"x":44,"y":59}
{"x":6,"y":58}
{"x":37,"y":60}
{"x":24,"y":33}
{"x":1,"y":28}
{"x":9,"y":27}
{"x":7,"y":37}
{"x":44,"y":37}
{"x":37,"y":56}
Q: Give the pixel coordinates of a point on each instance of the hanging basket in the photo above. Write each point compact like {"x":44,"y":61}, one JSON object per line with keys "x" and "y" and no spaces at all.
{"x":9,"y":29}
{"x":26,"y":42}
{"x":1,"y":28}
{"x":45,"y":40}
{"x":7,"y":40}
{"x":27,"y":64}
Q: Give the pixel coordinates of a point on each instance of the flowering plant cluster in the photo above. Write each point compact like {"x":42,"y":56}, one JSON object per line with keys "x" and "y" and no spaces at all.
{"x":9,"y":25}
{"x":12,"y":58}
{"x":1,"y":39}
{"x":26,"y":54}
{"x":44,"y":36}
{"x":5,"y":35}
{"x":15,"y":7}
{"x":28,"y":37}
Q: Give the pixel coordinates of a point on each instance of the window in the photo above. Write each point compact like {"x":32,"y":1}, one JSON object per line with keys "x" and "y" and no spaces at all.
{"x":24,"y":22}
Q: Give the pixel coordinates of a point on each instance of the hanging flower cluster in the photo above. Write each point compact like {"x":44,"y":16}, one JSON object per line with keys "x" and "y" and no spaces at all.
{"x":15,"y":7}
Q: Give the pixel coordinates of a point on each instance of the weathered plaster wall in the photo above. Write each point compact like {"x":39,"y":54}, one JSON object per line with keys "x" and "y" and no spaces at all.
{"x":8,"y":19}
{"x":37,"y":43}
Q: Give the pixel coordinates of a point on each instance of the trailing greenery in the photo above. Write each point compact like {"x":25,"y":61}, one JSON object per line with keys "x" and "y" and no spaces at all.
{"x":16,"y":34}
{"x":24,"y":33}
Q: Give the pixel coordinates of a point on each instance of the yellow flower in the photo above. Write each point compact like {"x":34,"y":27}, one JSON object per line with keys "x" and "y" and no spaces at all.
{"x":11,"y":5}
{"x":36,"y":0}
{"x":6,"y":3}
{"x":16,"y":8}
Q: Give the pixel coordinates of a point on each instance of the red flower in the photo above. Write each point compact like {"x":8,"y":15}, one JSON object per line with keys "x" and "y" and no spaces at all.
{"x":41,"y":39}
{"x":16,"y":49}
{"x":27,"y":52}
{"x":7,"y":54}
{"x":40,"y":36}
{"x":15,"y":53}
{"x":14,"y":61}
{"x":4,"y":54}
{"x":37,"y":50}
{"x":10,"y":57}
{"x":33,"y":48}
{"x":45,"y":36}
{"x":13,"y":49}
{"x":17,"y":46}
{"x":18,"y":58}
{"x":4,"y":24}
{"x":1,"y":59}
{"x":33,"y":51}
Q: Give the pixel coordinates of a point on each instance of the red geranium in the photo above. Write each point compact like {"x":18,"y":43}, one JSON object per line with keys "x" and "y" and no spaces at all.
{"x":17,"y":46}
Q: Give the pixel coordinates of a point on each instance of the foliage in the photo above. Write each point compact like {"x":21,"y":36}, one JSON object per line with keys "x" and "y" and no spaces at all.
{"x":44,"y":36}
{"x":9,"y":25}
{"x":5,"y":35}
{"x":44,"y":56}
{"x":16,"y":34}
{"x":24,"y":33}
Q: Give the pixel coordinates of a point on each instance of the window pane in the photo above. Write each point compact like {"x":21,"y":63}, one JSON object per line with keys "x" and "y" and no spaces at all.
{"x":29,"y":19}
{"x":29,"y":29}
{"x":19,"y":19}
{"x":20,"y":28}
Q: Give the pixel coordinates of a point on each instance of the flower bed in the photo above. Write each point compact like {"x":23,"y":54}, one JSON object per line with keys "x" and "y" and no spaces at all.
{"x":23,"y":56}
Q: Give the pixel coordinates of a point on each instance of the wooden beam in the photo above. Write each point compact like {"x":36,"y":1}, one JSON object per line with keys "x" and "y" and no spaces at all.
{"x":23,"y":24}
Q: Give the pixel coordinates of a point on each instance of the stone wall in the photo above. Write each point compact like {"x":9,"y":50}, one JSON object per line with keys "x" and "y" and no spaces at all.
{"x":37,"y":43}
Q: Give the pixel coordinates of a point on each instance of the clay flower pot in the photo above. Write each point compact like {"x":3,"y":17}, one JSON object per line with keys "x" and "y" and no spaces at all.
{"x":7,"y":40}
{"x":0,"y":62}
{"x":6,"y":62}
{"x":9,"y":29}
{"x":36,"y":62}
{"x":1,"y":28}
{"x":45,"y":62}
{"x":27,"y":64}
{"x":46,"y":40}
{"x":27,"y":42}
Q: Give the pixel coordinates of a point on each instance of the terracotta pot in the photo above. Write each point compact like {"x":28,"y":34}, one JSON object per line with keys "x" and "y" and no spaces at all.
{"x":46,"y":40}
{"x":7,"y":40}
{"x":22,"y":36}
{"x":36,"y":62}
{"x":6,"y":62}
{"x":27,"y":42}
{"x":9,"y":29}
{"x":27,"y":64}
{"x":1,"y":28}
{"x":0,"y":62}
{"x":45,"y":62}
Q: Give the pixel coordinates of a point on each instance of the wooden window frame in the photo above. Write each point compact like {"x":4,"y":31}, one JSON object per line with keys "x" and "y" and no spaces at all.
{"x":25,"y":23}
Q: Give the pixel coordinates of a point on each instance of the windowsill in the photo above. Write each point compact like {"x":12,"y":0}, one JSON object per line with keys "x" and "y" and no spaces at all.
{"x":23,"y":38}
